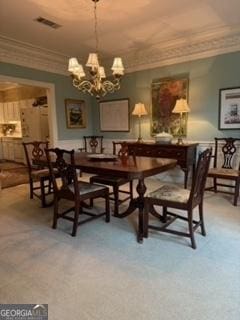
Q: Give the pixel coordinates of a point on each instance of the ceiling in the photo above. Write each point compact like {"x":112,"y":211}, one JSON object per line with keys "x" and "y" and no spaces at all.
{"x":146,"y":33}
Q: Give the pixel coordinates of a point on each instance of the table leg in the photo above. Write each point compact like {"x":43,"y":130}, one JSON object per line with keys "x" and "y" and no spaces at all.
{"x":137,"y":203}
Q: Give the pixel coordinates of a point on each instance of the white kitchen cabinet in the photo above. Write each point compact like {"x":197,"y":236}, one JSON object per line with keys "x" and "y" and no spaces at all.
{"x":1,"y":150}
{"x":18,"y":151}
{"x":8,"y":111}
{"x":1,"y":113}
{"x":16,"y":111}
{"x":5,"y":150}
{"x":12,"y":149}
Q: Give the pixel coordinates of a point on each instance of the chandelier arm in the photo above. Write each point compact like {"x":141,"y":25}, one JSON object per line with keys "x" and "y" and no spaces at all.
{"x":111,"y":86}
{"x":84,"y":86}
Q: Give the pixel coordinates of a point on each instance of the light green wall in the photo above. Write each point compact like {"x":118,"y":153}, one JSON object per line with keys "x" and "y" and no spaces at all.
{"x":206,"y":77}
{"x":63,"y":90}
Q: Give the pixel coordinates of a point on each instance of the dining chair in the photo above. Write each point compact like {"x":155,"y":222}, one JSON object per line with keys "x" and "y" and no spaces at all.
{"x":173,"y":196}
{"x":92,"y":144}
{"x":116,"y":182}
{"x":226,"y":166}
{"x":39,"y":176}
{"x":71,"y":189}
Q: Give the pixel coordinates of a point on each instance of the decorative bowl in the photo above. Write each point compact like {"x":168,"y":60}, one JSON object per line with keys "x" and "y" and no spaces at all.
{"x":163,"y":137}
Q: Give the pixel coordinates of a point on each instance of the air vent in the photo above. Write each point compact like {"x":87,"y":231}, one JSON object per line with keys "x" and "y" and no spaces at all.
{"x":47,"y":22}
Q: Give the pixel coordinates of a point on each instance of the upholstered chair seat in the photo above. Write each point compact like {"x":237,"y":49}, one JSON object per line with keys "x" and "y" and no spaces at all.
{"x":171,"y":193}
{"x":224,"y":172}
{"x":85,"y":188}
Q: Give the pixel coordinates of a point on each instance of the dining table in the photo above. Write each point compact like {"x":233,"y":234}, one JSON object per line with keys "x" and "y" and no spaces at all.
{"x":132,"y":168}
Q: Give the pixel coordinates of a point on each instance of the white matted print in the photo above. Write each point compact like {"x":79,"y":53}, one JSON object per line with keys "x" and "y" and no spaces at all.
{"x":229,"y":108}
{"x":114,"y":115}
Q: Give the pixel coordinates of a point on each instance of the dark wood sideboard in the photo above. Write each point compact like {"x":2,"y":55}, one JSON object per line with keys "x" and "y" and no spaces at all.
{"x":185,"y":154}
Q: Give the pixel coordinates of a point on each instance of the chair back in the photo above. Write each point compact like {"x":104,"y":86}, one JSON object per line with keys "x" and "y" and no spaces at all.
{"x":117,"y":146}
{"x":34,"y":152}
{"x":93,"y":144}
{"x":225,"y":154}
{"x":62,"y":164}
{"x":200,"y":177}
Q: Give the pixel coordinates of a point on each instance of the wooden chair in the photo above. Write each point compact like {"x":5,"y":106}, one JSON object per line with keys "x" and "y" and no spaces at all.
{"x":178,"y":198}
{"x":115,"y":182}
{"x":39,"y":176}
{"x":69,"y":188}
{"x":226,"y":166}
{"x":93,"y":144}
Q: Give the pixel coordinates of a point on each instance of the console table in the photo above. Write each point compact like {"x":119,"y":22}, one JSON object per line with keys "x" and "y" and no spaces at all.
{"x":185,"y":154}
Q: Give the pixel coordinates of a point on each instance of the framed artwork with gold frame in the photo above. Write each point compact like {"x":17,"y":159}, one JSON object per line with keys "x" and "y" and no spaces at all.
{"x":165,"y":93}
{"x":75,"y":114}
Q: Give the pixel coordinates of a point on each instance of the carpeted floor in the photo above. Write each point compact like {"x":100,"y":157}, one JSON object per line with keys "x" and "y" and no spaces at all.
{"x":104,"y":273}
{"x":13,"y":174}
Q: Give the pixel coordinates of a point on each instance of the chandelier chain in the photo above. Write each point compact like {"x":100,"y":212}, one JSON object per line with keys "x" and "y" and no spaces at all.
{"x":96,"y":25}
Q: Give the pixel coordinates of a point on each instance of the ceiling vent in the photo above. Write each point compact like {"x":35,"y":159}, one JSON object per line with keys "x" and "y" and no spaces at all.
{"x":47,"y":22}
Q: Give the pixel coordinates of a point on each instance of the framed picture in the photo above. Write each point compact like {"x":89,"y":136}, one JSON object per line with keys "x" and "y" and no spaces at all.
{"x":229,"y":108}
{"x":165,"y":93}
{"x":114,"y":115}
{"x":75,"y":113}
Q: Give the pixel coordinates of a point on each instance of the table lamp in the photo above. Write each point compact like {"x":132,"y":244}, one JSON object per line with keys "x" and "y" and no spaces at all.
{"x":139,"y":110}
{"x":181,"y":107}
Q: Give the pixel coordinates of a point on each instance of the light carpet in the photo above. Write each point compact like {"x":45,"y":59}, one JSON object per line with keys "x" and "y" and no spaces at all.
{"x":105,"y":274}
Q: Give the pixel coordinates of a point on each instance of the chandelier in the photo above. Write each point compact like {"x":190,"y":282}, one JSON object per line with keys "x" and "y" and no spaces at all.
{"x":98,"y":85}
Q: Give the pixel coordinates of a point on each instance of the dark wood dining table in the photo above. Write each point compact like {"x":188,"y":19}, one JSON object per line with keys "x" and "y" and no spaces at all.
{"x":133,"y":167}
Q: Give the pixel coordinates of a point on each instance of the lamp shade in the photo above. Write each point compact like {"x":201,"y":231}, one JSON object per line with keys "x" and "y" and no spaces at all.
{"x":102,"y":72}
{"x":92,"y":60}
{"x":139,"y":110}
{"x":181,"y":106}
{"x":73,"y":65}
{"x":117,"y":66}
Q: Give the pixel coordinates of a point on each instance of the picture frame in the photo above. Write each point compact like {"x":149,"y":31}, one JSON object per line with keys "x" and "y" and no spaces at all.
{"x":114,"y":115}
{"x":229,"y":108}
{"x":165,"y":92}
{"x":75,"y":114}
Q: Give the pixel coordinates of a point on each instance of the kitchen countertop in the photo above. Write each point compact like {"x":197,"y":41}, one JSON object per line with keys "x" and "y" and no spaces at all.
{"x":10,"y":137}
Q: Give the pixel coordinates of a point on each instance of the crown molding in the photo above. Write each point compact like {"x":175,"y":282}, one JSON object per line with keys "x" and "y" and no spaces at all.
{"x":27,"y":55}
{"x":189,"y":48}
{"x":209,"y":44}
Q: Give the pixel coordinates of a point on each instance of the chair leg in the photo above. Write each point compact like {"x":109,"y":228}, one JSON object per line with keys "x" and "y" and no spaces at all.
{"x":190,"y":226}
{"x":236,"y":193}
{"x":215,"y":185}
{"x":91,"y":203}
{"x":76,"y":217}
{"x":107,"y":216}
{"x":164,"y":214}
{"x":43,"y":198}
{"x":116,"y":199}
{"x":55,"y":213}
{"x":131,"y":189}
{"x":49,"y":186}
{"x":201,"y":218}
{"x":31,"y":188}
